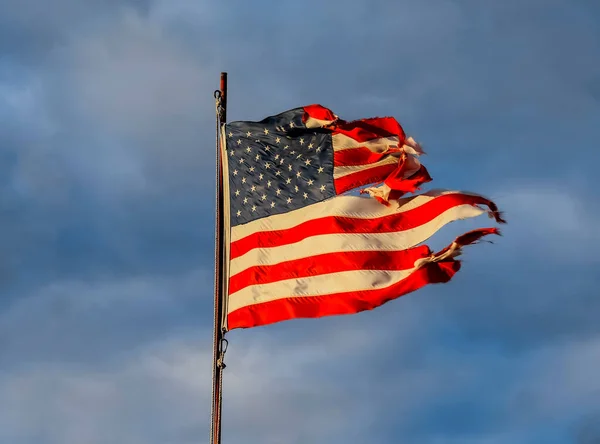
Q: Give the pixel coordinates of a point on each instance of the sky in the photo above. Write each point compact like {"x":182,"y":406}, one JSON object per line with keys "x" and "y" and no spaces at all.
{"x":107,"y":171}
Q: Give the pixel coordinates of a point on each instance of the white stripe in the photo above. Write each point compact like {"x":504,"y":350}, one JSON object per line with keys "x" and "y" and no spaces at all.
{"x":356,"y":280}
{"x":342,"y":142}
{"x":341,"y":171}
{"x":343,"y":206}
{"x":411,"y":146}
{"x":317,"y":123}
{"x":338,"y":242}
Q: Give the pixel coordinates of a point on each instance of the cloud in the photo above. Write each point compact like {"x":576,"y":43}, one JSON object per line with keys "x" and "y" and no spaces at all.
{"x":88,"y":321}
{"x":542,"y":270}
{"x":145,"y":99}
{"x":113,"y":121}
{"x":160,"y":391}
{"x":315,"y":388}
{"x":136,"y":77}
{"x":552,"y":219}
{"x":28,"y":29}
{"x":106,"y":182}
{"x":63,"y":403}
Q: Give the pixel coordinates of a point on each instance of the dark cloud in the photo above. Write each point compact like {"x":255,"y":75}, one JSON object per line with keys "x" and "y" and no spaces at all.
{"x":30,"y":28}
{"x":106,"y":213}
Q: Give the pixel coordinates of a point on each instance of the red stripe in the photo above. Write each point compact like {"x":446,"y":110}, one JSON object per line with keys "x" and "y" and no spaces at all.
{"x":328,"y":263}
{"x":340,"y":224}
{"x":360,"y":156}
{"x":400,"y":185}
{"x":367,"y":129}
{"x":339,"y":303}
{"x":318,"y":112}
{"x":363,"y":177}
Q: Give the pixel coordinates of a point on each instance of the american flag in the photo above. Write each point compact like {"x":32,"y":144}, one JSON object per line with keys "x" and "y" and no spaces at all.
{"x":301,"y":245}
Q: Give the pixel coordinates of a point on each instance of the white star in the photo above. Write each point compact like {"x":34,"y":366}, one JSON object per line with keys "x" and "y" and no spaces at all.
{"x":301,"y":141}
{"x":322,"y":187}
{"x":296,"y":188}
{"x":277,"y":140}
{"x":290,"y":167}
{"x":310,"y":146}
{"x":289,"y":200}
{"x":305,"y":195}
{"x":310,"y":182}
{"x":293,"y":152}
{"x":251,"y":169}
{"x":267,"y":148}
{"x":248,"y":149}
{"x":237,"y":192}
{"x":253,"y":208}
{"x":230,"y":134}
{"x":276,"y":156}
{"x":281,"y":161}
{"x":263,"y":197}
{"x":267,"y":165}
{"x":248,"y":134}
{"x":278,"y":192}
{"x":245,"y":200}
{"x":266,"y":131}
{"x":243,"y":180}
{"x":288,"y":181}
{"x":235,"y":172}
{"x":320,"y":170}
{"x":260,"y":176}
{"x":291,"y":124}
{"x":278,"y":173}
{"x":253,"y":188}
{"x":239,"y":141}
{"x":239,"y":213}
{"x":242,"y":160}
{"x":272,"y":204}
{"x":286,"y":147}
{"x":319,"y":150}
{"x":307,"y":162}
{"x":257,"y":157}
{"x":231,"y":153}
{"x":299,"y":173}
{"x":268,"y":184}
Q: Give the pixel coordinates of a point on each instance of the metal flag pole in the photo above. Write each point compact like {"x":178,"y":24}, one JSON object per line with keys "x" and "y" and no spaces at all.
{"x":219,"y":341}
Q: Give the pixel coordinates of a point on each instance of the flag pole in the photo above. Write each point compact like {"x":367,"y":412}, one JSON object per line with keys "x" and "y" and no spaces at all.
{"x":219,"y":341}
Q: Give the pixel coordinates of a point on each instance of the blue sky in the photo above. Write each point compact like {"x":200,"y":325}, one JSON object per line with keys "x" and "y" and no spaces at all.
{"x":106,"y":221}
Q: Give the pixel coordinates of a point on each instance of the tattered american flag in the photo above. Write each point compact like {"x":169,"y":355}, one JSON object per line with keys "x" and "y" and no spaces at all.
{"x":300,"y":245}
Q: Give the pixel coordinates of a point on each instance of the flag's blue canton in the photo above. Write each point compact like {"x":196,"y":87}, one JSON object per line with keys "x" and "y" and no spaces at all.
{"x":277,"y":165}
